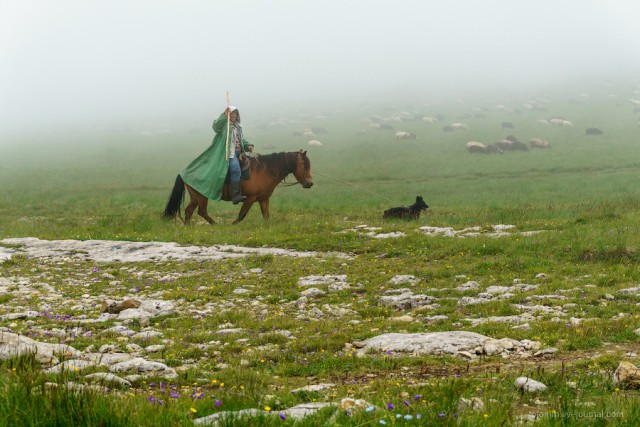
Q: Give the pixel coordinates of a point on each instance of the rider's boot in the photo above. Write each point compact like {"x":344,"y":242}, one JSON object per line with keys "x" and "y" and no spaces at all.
{"x":236,"y":196}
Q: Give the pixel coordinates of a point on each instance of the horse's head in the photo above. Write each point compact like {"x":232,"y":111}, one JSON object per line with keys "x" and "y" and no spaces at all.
{"x":302,"y":170}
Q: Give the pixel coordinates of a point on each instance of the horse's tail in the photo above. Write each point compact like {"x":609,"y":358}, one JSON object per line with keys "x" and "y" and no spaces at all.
{"x":175,"y":200}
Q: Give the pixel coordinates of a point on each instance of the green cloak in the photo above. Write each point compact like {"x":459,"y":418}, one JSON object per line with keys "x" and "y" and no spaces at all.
{"x":207,"y":173}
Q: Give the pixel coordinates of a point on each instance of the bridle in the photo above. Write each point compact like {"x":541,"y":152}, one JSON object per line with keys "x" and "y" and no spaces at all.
{"x":282,"y":181}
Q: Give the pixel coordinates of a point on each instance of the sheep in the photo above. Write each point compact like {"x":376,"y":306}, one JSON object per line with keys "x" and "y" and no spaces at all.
{"x":539,"y":143}
{"x":309,"y":133}
{"x":507,"y":125}
{"x":315,"y":143}
{"x":406,"y":135}
{"x":459,"y":126}
{"x":492,"y":149}
{"x":479,"y":147}
{"x":561,"y":122}
{"x":507,"y":144}
{"x":429,"y":119}
{"x":476,"y":147}
{"x":593,"y":131}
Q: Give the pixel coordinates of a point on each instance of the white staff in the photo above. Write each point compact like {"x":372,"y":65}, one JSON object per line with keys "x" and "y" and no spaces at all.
{"x":226,"y":145}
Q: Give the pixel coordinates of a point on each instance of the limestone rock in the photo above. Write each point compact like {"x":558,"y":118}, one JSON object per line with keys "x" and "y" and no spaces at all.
{"x":529,"y":385}
{"x":353,"y":405}
{"x":627,"y":375}
{"x":475,"y":403}
{"x":142,"y":366}
{"x":107,"y":379}
{"x":115,"y":307}
{"x":13,"y":345}
{"x":460,"y":343}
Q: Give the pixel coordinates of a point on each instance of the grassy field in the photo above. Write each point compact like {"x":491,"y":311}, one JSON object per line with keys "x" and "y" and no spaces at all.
{"x":582,"y":193}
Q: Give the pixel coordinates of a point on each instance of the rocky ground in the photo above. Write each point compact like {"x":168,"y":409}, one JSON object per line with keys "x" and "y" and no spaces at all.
{"x":136,"y":340}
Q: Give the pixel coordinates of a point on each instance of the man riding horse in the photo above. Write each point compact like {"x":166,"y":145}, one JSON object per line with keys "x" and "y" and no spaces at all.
{"x":208,"y":172}
{"x":205,"y":177}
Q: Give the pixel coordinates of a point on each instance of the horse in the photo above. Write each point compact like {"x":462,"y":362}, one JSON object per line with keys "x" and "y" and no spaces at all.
{"x":266,"y":172}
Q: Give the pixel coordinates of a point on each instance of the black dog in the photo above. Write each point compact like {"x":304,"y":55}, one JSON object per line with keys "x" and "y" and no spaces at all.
{"x":407,"y":212}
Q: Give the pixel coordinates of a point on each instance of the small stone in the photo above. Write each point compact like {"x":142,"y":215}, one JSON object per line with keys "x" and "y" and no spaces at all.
{"x":475,"y":403}
{"x":529,"y":385}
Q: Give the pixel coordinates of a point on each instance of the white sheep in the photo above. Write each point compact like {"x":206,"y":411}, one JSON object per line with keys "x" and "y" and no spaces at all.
{"x":406,"y":135}
{"x":539,"y":143}
{"x":561,"y":122}
{"x":459,"y":126}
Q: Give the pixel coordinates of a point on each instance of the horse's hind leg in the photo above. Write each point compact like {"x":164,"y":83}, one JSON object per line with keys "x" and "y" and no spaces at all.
{"x":188,"y":211}
{"x":200,"y":201}
{"x":202,"y":211}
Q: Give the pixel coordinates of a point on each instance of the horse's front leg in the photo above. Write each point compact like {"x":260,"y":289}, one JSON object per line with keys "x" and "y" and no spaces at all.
{"x":244,"y":209}
{"x":264,"y":208}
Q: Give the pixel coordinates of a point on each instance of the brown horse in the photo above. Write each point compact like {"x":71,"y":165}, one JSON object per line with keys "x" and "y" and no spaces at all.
{"x":267,"y":171}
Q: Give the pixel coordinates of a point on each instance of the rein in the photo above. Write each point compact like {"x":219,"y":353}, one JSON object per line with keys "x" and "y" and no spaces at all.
{"x":354,"y":185}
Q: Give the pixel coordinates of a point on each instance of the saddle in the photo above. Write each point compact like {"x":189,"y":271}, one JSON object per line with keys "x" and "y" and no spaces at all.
{"x":245,"y":165}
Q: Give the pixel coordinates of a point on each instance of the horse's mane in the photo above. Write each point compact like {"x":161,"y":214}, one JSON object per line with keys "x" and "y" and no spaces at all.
{"x":275,"y":164}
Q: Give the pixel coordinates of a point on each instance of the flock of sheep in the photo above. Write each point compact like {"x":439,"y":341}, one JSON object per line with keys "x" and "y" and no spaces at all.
{"x":394,"y":123}
{"x":508,"y":143}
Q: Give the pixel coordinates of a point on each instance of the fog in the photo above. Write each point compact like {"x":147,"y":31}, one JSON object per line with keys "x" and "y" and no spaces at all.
{"x":90,"y":61}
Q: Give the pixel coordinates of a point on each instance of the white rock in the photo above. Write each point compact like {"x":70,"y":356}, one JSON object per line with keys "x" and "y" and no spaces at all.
{"x":106,"y":378}
{"x":13,"y":345}
{"x":313,"y":292}
{"x":529,"y":385}
{"x":314,"y":387}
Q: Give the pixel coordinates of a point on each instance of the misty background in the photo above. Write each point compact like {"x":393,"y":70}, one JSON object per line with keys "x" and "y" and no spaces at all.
{"x":75,"y":62}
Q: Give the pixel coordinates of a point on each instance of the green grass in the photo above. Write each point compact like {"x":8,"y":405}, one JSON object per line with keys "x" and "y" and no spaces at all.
{"x":582,"y":193}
